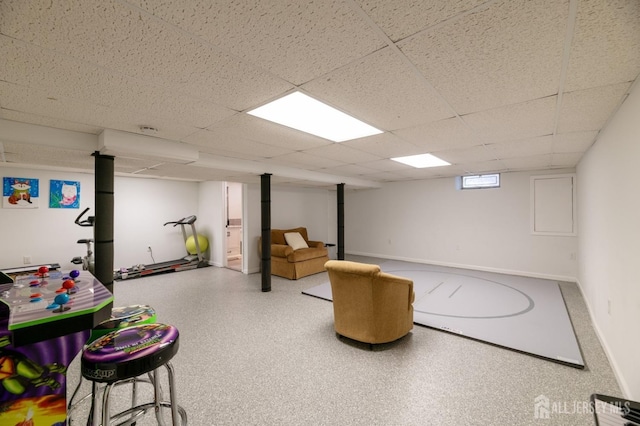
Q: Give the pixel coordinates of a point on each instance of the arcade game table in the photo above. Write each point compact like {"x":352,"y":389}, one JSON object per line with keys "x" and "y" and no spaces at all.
{"x":45,"y":320}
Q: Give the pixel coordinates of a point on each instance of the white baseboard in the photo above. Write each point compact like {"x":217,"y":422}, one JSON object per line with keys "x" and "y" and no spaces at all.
{"x":220,"y":265}
{"x":626,"y":393}
{"x":473,"y":267}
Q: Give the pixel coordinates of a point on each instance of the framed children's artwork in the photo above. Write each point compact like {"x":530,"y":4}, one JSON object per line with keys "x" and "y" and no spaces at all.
{"x":64,"y":194}
{"x":20,"y":193}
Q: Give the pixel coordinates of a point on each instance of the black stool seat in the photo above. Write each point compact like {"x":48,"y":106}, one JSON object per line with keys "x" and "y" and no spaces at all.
{"x":129,"y":352}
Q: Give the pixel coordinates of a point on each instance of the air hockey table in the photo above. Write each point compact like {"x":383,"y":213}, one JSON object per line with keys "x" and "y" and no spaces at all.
{"x":45,"y":320}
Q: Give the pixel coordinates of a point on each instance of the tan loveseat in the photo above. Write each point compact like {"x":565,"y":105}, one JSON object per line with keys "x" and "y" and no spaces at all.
{"x":369,"y":305}
{"x":293,"y":264}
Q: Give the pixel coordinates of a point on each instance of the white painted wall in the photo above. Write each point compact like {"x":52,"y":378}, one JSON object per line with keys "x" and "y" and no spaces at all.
{"x":431,"y":221}
{"x":609,"y":249}
{"x":141,"y":208}
{"x":294,"y":207}
{"x":47,"y":235}
{"x":211,"y":219}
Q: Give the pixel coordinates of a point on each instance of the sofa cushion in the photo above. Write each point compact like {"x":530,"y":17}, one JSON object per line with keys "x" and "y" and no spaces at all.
{"x":295,"y":240}
{"x":306,"y":254}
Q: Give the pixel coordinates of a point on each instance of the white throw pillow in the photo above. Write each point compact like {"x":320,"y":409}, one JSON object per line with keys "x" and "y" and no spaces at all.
{"x":295,"y":240}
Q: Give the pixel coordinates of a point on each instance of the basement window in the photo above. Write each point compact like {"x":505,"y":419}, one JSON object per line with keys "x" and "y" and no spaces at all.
{"x":480,"y":181}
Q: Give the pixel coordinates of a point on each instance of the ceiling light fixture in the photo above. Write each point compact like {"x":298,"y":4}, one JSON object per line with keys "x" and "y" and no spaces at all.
{"x":302,"y":112}
{"x":421,"y":161}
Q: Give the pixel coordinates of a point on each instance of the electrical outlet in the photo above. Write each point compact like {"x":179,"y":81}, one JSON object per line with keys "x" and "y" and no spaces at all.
{"x":26,"y":259}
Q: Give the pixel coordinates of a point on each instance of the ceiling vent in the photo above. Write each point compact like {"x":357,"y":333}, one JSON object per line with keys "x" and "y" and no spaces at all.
{"x":148,"y":130}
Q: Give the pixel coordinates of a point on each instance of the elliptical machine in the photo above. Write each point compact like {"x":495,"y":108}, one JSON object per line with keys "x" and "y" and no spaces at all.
{"x":87,"y":261}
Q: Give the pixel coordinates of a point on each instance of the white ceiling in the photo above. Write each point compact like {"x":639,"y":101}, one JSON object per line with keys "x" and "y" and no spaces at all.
{"x":490,"y":86}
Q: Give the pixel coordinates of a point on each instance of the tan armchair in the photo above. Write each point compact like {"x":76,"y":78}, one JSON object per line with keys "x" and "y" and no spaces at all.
{"x":369,"y":305}
{"x":293,"y":264}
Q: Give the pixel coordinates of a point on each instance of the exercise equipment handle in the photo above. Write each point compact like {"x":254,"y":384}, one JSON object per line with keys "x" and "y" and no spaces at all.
{"x":87,"y":222}
{"x":184,"y":221}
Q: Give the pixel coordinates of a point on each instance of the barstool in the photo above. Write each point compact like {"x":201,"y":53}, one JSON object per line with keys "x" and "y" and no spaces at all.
{"x":122,"y":316}
{"x":123,"y":355}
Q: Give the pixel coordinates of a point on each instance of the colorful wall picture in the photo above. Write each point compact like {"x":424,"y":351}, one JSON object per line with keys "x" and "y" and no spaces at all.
{"x":64,"y":194}
{"x":20,"y":193}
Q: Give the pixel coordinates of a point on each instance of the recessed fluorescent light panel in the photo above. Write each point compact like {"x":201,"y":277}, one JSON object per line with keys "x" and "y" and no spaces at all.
{"x":421,"y":161}
{"x":309,"y":115}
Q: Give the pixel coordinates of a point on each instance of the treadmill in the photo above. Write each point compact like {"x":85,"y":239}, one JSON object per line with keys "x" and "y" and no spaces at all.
{"x":190,"y":261}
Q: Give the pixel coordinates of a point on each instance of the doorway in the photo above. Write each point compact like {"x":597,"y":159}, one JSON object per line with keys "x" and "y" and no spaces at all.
{"x":234,"y":224}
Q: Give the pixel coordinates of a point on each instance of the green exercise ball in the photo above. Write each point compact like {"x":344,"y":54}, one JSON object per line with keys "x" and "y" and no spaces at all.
{"x":191,"y":244}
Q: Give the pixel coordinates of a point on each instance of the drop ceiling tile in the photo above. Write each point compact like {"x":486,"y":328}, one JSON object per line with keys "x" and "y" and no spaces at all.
{"x":47,"y":103}
{"x":466,"y":155}
{"x":23,"y":153}
{"x":538,"y":162}
{"x":212,"y":139}
{"x":382,"y":90}
{"x":525,"y":120}
{"x":58,"y":123}
{"x":566,"y":159}
{"x":65,"y":77}
{"x":119,"y":37}
{"x":118,"y":91}
{"x":492,"y":166}
{"x":263,"y":131}
{"x":88,"y":65}
{"x":605,"y":45}
{"x":297,"y":41}
{"x":402,"y":18}
{"x":384,"y":165}
{"x":383,"y":176}
{"x":348,"y":170}
{"x":385,"y":145}
{"x":304,"y":160}
{"x":342,"y":153}
{"x":509,"y":53}
{"x":521,"y":148}
{"x":589,"y":109}
{"x":439,"y":135}
{"x":573,"y":142}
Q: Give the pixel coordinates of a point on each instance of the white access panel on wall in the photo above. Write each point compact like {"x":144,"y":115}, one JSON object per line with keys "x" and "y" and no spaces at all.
{"x":553,"y":205}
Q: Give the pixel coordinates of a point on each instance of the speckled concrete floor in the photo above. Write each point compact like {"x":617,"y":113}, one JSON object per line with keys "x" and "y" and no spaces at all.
{"x":253,"y":358}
